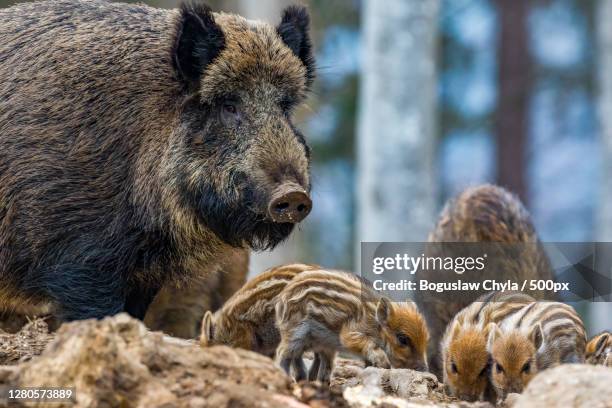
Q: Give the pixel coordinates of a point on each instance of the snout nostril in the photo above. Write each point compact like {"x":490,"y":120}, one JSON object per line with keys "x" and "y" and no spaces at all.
{"x":301,"y":207}
{"x":282,"y":206}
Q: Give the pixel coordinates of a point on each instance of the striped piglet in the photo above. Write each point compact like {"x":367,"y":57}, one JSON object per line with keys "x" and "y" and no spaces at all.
{"x":330,"y":311}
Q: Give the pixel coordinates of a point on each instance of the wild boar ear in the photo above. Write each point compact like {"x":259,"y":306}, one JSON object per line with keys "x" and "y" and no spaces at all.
{"x":199,"y":40}
{"x":208,"y":329}
{"x":601,"y":344}
{"x":537,"y":336}
{"x":494,"y":334}
{"x":383,"y":310}
{"x":294,"y":29}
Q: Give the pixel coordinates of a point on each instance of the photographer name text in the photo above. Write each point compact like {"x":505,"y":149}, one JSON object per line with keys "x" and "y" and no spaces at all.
{"x":406,"y":285}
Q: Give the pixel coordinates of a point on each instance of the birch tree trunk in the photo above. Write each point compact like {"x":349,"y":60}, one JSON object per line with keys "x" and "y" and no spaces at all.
{"x":266,"y":10}
{"x":601,"y":318}
{"x":396,"y":130}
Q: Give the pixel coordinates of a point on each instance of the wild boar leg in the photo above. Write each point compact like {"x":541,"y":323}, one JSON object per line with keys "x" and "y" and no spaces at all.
{"x":138,"y":300}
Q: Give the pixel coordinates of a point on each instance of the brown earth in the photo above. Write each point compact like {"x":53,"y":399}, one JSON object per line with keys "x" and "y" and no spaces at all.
{"x":117,"y":362}
{"x":30,"y":341}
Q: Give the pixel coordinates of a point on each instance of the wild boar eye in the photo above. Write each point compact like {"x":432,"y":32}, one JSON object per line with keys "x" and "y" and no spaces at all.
{"x":454,"y":368}
{"x":402,"y":339}
{"x":526,"y":367}
{"x":230,"y":113}
{"x":230,"y":108}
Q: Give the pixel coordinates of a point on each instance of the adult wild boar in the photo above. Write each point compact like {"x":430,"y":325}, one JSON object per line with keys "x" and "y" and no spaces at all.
{"x":139,"y":145}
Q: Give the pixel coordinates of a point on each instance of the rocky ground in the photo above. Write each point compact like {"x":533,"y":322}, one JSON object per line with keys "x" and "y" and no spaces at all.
{"x":117,"y":362}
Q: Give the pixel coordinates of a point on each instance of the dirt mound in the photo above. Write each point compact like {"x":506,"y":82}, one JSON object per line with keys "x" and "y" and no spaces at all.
{"x":117,"y":362}
{"x":30,"y":341}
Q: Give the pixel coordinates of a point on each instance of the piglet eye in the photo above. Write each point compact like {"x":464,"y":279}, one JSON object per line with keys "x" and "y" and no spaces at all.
{"x":403,"y":340}
{"x":526,"y":367}
{"x":499,"y":368}
{"x":258,"y":341}
{"x":454,"y":368}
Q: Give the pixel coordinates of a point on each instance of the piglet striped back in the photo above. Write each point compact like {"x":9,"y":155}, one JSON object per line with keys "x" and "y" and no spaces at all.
{"x":330,"y":296}
{"x":564,"y":337}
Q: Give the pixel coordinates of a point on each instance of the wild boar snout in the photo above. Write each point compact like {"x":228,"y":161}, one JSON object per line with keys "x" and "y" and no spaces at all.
{"x":289,"y":203}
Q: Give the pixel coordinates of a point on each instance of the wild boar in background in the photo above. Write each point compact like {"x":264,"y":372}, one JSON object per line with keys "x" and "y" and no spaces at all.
{"x":139,"y":146}
{"x":178,"y":310}
{"x":493,"y":216}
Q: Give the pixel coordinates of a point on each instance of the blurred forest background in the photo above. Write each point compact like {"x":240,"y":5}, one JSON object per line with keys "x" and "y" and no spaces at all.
{"x":417,"y":99}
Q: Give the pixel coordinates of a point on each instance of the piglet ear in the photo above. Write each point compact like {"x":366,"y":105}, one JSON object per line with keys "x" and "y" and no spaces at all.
{"x":208,"y":330}
{"x":294,"y":29}
{"x":455,"y":329}
{"x":601,"y":344}
{"x":199,"y":40}
{"x":383,"y":310}
{"x":537,"y":336}
{"x":494,"y":334}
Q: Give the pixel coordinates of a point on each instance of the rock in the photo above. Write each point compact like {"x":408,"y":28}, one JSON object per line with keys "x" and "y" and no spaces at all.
{"x":510,"y":400}
{"x":570,"y":385}
{"x":117,"y":362}
{"x":346,"y":373}
{"x":400,"y":388}
{"x":319,"y":395}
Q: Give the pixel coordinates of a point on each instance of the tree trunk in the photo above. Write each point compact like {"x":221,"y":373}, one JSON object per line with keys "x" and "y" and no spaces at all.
{"x":266,"y":10}
{"x":600,"y":311}
{"x":396,"y":191}
{"x":511,"y":125}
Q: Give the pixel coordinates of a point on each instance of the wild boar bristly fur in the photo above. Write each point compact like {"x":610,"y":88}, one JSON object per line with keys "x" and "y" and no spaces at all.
{"x":139,"y":145}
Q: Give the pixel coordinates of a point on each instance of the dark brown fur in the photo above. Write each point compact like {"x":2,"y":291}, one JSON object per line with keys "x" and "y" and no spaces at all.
{"x":178,"y":310}
{"x":140,"y":146}
{"x":488,"y":214}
